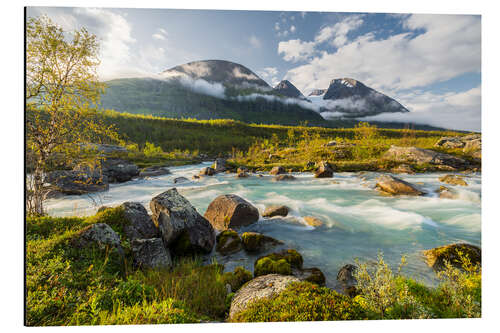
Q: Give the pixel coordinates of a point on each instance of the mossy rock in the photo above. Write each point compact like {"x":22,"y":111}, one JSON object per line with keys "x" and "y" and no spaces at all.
{"x":183,"y":246}
{"x":453,"y":254}
{"x":112,"y":216}
{"x":266,"y":266}
{"x":313,"y":275}
{"x":279,"y":263}
{"x":237,"y":278}
{"x":228,"y":241}
{"x":256,"y":242}
{"x":453,"y":180}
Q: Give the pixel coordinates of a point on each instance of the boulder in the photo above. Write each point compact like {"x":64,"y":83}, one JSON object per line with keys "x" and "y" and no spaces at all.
{"x":182,"y":228}
{"x":74,"y":182}
{"x":231,"y":211}
{"x":279,"y":178}
{"x":277,"y":170}
{"x":272,"y":211}
{"x":138,"y":224}
{"x":228,"y":241}
{"x":242,"y":175}
{"x":262,"y":286}
{"x":395,"y":186}
{"x":450,"y":142}
{"x":118,"y":170}
{"x":242,"y":169}
{"x":453,"y":180}
{"x":347,"y":280}
{"x":324,"y":170}
{"x":437,"y":257}
{"x":99,"y":234}
{"x":150,"y":253}
{"x":207,"y":171}
{"x":257,"y":242}
{"x":313,"y":221}
{"x":282,"y":262}
{"x":220,"y":165}
{"x":446,"y":193}
{"x":424,"y":156}
{"x":154,"y":171}
{"x":314,"y":275}
{"x":180,"y":180}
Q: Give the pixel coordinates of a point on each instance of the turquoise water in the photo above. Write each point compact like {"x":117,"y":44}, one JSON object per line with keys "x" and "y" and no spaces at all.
{"x":359,"y":222}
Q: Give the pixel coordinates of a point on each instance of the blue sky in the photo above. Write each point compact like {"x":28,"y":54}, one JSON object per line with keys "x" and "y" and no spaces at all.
{"x":429,"y":63}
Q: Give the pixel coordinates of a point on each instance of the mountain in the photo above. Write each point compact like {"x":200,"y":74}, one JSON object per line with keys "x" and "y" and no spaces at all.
{"x":211,"y":89}
{"x":220,"y":71}
{"x":286,"y":88}
{"x":351,"y":98}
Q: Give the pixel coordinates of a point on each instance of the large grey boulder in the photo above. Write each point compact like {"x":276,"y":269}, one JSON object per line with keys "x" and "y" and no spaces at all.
{"x":138,"y":222}
{"x":425,"y":156}
{"x":231,"y":211}
{"x":181,"y":226}
{"x":74,"y":182}
{"x":150,"y":253}
{"x":260,"y":287}
{"x":118,"y":170}
{"x":395,"y":186}
{"x":99,"y":234}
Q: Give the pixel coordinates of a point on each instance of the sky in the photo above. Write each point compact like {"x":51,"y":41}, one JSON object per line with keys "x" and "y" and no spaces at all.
{"x":429,"y":63}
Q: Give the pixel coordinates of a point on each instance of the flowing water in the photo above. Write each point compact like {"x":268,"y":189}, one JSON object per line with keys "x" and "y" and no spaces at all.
{"x":359,"y":222}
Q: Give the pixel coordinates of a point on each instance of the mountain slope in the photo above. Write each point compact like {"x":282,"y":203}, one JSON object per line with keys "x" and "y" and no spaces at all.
{"x":172,"y":99}
{"x":354,"y":99}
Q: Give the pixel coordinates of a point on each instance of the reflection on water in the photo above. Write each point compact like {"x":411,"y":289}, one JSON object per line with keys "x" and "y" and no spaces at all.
{"x":359,"y":222}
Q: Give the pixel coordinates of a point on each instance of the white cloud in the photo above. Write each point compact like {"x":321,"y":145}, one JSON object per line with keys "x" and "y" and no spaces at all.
{"x":277,"y":26}
{"x":269,"y":74}
{"x":337,"y":34}
{"x":450,"y":46}
{"x":160,"y":34}
{"x":203,"y":87}
{"x":461,"y":111}
{"x":295,"y":50}
{"x":293,"y":28}
{"x":255,"y":42}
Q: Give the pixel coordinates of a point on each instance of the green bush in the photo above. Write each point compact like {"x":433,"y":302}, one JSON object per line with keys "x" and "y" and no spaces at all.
{"x":302,"y":301}
{"x":237,"y":278}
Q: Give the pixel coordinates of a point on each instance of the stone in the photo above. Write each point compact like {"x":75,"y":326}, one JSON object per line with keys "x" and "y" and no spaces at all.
{"x":279,"y":178}
{"x":314,"y":275}
{"x":453,"y":180}
{"x":207,"y":171}
{"x":180,"y":180}
{"x":220,"y":165}
{"x":242,"y":175}
{"x":228,"y":242}
{"x":424,"y":156}
{"x":446,"y":193}
{"x":118,"y":170}
{"x":242,"y":169}
{"x":150,"y":253}
{"x":73,"y":182}
{"x":154,"y":171}
{"x":281,"y":262}
{"x":403,"y":168}
{"x":257,"y":242}
{"x":272,"y":211}
{"x":395,"y":186}
{"x":99,"y":234}
{"x":346,"y":279}
{"x":277,"y":170}
{"x":183,"y":229}
{"x":313,"y":221}
{"x":324,"y":170}
{"x":231,"y":211}
{"x":437,"y":257}
{"x":138,"y":222}
{"x":257,"y":288}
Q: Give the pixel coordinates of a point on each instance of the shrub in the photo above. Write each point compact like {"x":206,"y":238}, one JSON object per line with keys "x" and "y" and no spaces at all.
{"x":150,"y":150}
{"x":237,"y":278}
{"x":302,"y":301}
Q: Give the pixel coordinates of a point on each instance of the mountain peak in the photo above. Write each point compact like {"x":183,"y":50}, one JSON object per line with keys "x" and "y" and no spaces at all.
{"x":220,"y":71}
{"x":286,"y":88}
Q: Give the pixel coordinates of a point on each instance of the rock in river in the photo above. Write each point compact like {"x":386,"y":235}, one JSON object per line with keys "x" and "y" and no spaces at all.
{"x":436,"y":257}
{"x":395,"y":186}
{"x":256,"y":242}
{"x":183,"y":229}
{"x":272,"y":211}
{"x":453,"y":180}
{"x":324,"y":170}
{"x":277,"y":170}
{"x":228,"y":241}
{"x":231,"y":211}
